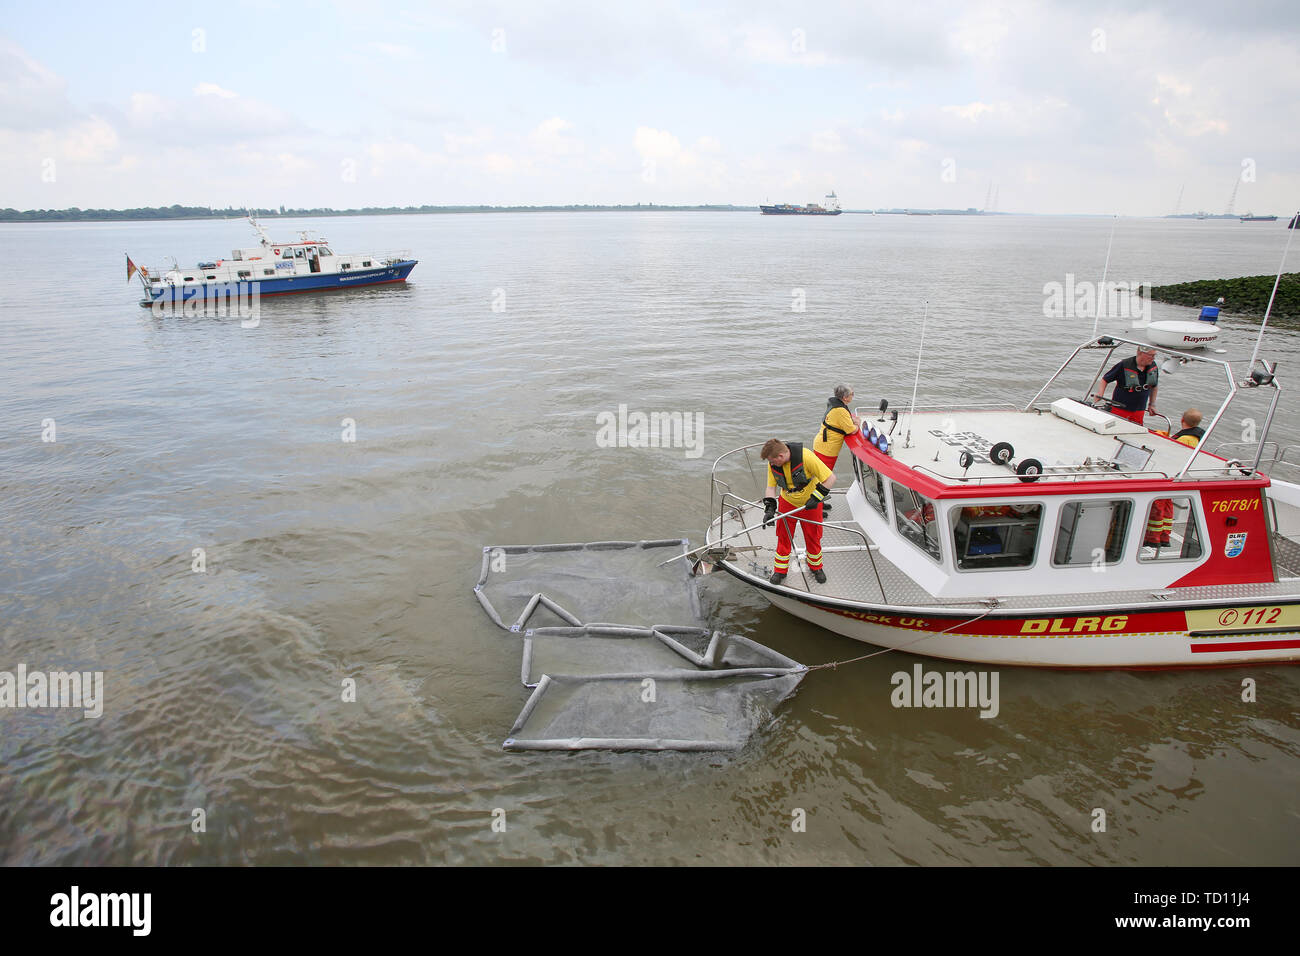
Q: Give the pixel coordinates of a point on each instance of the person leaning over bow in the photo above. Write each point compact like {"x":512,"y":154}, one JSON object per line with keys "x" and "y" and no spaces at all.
{"x":1135,"y":385}
{"x":838,"y":423}
{"x":1192,"y":432}
{"x":804,"y":482}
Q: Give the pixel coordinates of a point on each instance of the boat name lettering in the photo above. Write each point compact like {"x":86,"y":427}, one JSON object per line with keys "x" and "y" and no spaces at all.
{"x":887,"y":619}
{"x":1236,"y":504}
{"x":1061,"y":625}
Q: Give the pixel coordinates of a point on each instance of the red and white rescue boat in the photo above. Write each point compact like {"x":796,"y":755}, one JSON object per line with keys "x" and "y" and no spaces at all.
{"x":1050,"y":534}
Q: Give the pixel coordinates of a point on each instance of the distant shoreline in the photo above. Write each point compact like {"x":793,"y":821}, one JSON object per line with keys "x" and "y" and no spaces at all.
{"x":176,"y":212}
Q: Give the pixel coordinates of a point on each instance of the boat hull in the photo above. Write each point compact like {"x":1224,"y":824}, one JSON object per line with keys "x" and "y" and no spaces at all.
{"x":289,"y":285}
{"x":1157,"y":638}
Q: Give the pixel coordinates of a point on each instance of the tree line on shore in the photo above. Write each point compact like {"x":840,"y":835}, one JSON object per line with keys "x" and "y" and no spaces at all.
{"x":75,"y":214}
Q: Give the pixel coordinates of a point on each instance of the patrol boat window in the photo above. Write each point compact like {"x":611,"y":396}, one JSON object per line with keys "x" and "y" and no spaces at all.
{"x":872,"y":485}
{"x":1171,"y":533}
{"x":996,"y":536}
{"x":914,"y":516}
{"x":1091,"y":529}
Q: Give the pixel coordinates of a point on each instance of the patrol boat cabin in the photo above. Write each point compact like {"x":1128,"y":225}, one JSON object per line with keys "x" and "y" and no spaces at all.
{"x":1052,"y":533}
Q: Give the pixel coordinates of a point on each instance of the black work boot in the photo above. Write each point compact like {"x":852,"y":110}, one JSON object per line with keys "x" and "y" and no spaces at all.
{"x":819,"y":575}
{"x":777,"y":578}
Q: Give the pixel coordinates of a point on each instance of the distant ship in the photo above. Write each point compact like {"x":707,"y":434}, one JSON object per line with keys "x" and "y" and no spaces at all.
{"x":1251,"y":217}
{"x":832,"y":208}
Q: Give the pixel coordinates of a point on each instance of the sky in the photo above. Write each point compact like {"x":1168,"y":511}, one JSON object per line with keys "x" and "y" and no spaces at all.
{"x":1033,"y":107}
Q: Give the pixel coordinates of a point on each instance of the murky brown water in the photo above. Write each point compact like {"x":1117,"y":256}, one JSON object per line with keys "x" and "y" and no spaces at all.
{"x":329,"y":560}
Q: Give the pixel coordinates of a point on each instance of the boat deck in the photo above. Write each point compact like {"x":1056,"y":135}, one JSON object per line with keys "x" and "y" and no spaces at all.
{"x":932,"y":441}
{"x":1286,"y":554}
{"x":858,"y":576}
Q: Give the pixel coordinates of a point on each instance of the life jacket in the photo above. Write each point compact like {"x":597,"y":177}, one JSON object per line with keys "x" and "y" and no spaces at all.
{"x":833,"y":403}
{"x":799,"y":480}
{"x":1133,"y":377}
{"x":1190,"y":436}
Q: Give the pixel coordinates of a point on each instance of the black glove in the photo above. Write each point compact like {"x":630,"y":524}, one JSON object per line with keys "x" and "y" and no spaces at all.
{"x":818,"y":495}
{"x":769,"y":512}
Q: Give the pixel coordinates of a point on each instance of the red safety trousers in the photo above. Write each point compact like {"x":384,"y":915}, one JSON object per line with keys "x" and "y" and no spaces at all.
{"x":1136,"y":415}
{"x":826,"y":460}
{"x":785,"y":529}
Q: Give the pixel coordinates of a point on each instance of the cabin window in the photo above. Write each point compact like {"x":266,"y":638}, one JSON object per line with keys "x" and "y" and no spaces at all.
{"x":287,"y":254}
{"x":365,"y":264}
{"x":872,"y":485}
{"x":297,"y":253}
{"x":325,"y":251}
{"x":914,"y":516}
{"x":1091,"y":531}
{"x":268,"y":272}
{"x":211,"y":277}
{"x":1171,"y":533}
{"x":344,"y":266}
{"x":244,"y":273}
{"x":996,"y":536}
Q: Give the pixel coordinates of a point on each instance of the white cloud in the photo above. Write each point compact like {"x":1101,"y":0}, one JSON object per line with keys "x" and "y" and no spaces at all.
{"x":972,"y":111}
{"x":551,"y":137}
{"x":827,"y":141}
{"x":661,"y":146}
{"x":211,"y":89}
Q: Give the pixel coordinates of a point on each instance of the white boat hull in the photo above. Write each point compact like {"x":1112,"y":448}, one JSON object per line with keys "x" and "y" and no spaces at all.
{"x":1053,"y":642}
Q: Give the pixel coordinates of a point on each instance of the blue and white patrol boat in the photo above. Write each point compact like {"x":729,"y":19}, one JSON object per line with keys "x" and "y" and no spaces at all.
{"x":272,"y":268}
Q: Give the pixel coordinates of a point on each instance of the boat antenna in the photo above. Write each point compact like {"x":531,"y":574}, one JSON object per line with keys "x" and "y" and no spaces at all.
{"x":1263,"y":325}
{"x":911,"y":410}
{"x":1101,"y":290}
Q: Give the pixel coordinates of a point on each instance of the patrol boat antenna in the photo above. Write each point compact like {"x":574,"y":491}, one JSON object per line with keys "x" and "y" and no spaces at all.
{"x":911,"y":410}
{"x":1101,"y":290}
{"x":1263,"y":325}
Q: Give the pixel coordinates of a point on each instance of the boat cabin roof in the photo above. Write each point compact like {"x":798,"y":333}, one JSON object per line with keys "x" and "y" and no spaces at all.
{"x":1072,"y":447}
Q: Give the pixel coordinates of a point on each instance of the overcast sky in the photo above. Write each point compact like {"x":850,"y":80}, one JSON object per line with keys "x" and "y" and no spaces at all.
{"x":500,"y":102}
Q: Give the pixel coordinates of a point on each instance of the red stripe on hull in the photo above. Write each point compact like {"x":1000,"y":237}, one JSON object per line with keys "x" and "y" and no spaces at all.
{"x":1243,"y":646}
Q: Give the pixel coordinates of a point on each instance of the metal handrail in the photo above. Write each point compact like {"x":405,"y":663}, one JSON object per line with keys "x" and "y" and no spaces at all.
{"x":839,"y":526}
{"x":1047,"y":476}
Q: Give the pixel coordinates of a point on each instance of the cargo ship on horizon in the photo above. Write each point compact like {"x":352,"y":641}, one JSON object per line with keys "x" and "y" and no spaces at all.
{"x":832,"y":208}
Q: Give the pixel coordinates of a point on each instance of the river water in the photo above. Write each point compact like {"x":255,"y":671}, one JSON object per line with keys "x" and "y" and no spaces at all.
{"x":474,"y":393}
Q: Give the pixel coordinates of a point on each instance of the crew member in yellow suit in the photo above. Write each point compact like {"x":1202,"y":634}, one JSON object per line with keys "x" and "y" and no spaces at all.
{"x":804,"y":482}
{"x":837,"y":424}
